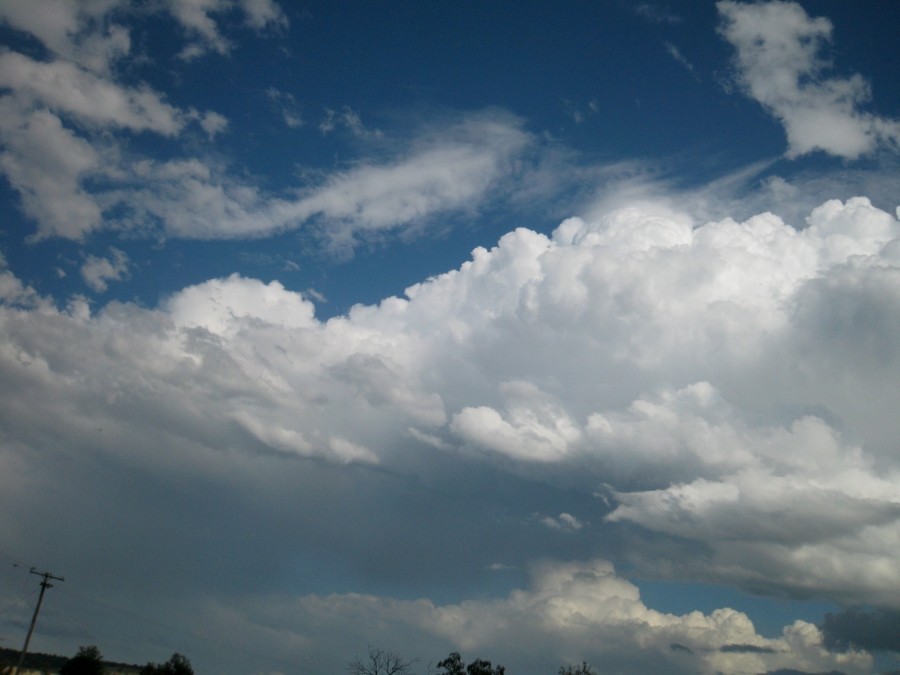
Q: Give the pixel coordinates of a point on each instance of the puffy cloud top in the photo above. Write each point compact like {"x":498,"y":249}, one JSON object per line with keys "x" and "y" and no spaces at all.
{"x":681,"y":365}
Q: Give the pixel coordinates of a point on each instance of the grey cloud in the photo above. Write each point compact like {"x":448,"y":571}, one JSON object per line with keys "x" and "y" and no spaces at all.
{"x":875,"y":629}
{"x":746,"y":649}
{"x":47,"y":164}
{"x":90,"y":99}
{"x":411,"y":443}
{"x":98,"y":272}
{"x":200,"y":19}
{"x":264,"y":13}
{"x":70,"y":29}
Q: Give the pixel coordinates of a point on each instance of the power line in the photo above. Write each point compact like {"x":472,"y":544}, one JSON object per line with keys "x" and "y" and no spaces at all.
{"x":45,"y":584}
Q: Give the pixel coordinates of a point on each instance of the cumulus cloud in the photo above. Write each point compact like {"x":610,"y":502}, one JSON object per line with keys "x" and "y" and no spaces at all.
{"x":213,"y":123}
{"x":722,"y":391}
{"x":199,"y":19}
{"x":74,"y":31}
{"x":261,"y":14}
{"x":47,"y":163}
{"x":565,"y":522}
{"x":15,"y":293}
{"x":681,"y":367}
{"x":65,"y":88}
{"x":98,"y":272}
{"x":569,"y":611}
{"x":779,"y":64}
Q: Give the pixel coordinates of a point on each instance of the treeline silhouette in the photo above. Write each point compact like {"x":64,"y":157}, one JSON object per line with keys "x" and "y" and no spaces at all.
{"x":89,"y":661}
{"x":381,"y":662}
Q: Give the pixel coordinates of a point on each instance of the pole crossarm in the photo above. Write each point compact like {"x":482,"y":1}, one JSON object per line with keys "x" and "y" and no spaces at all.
{"x":45,"y":584}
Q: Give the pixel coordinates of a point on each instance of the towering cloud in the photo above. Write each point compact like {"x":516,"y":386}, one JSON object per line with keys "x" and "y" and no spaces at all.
{"x":730,"y":383}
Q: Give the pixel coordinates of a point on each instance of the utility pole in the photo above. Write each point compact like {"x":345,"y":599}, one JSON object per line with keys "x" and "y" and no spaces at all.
{"x":45,"y":584}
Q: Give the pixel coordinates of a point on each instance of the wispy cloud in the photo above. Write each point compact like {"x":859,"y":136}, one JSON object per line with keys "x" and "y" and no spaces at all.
{"x":656,"y":13}
{"x":287,"y":104}
{"x":65,"y":153}
{"x":676,"y":54}
{"x":346,"y":119}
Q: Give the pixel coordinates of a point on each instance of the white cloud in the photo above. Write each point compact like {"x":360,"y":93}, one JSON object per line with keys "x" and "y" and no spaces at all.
{"x":67,"y":89}
{"x":213,"y":123}
{"x":452,"y":169}
{"x":676,"y":54}
{"x":46,"y":163}
{"x":74,"y":31}
{"x":14,"y":293}
{"x":287,"y":104}
{"x":59,"y":117}
{"x":197,"y":17}
{"x":193,"y":199}
{"x":223,"y":306}
{"x":677,"y":363}
{"x":656,"y":14}
{"x":98,"y":272}
{"x":779,"y":64}
{"x":569,"y":612}
{"x":565,"y":522}
{"x":349,"y":120}
{"x":536,"y":427}
{"x":442,"y":170}
{"x":264,"y":13}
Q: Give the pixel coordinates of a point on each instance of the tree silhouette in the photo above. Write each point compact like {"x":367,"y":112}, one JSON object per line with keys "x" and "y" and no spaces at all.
{"x":483,"y":667}
{"x":583,"y":669}
{"x":379,"y":662}
{"x":176,"y":665}
{"x":88,"y":661}
{"x":454,"y":665}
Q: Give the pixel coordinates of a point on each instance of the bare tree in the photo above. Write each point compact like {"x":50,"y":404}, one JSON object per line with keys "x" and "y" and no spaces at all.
{"x":380,"y":662}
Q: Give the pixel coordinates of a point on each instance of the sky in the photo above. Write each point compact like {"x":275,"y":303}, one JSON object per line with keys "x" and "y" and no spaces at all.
{"x":539,"y":332}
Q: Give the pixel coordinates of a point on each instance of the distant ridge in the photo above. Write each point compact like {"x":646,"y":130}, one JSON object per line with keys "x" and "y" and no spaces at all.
{"x":49,"y":664}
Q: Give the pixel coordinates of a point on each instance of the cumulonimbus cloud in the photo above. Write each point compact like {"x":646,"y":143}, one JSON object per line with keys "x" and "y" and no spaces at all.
{"x":679,"y":364}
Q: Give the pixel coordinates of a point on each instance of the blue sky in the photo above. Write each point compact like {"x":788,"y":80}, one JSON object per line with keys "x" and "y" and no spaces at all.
{"x":541,"y":332}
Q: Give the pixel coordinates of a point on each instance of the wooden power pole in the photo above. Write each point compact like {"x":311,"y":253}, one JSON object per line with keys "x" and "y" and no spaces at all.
{"x":45,"y":584}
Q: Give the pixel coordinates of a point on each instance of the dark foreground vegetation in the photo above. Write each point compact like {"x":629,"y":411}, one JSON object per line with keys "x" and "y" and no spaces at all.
{"x":381,"y":662}
{"x":89,"y":661}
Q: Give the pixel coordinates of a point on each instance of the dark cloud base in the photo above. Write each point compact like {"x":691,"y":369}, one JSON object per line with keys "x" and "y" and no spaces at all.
{"x":859,"y":628}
